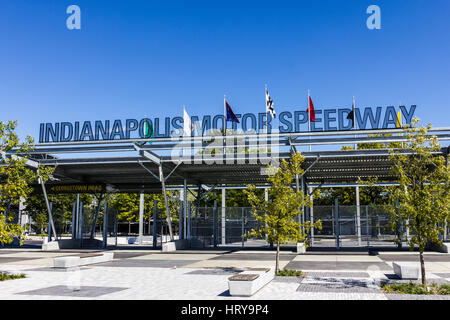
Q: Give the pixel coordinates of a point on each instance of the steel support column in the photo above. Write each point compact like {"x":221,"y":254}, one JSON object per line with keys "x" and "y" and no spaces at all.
{"x":149,"y":224}
{"x":266,"y":198}
{"x":337,"y":229}
{"x":49,"y":210}
{"x":105,"y":225}
{"x":115,"y":228}
{"x":302,"y":217}
{"x":197,"y":205}
{"x":80,"y":224}
{"x":367,"y":226}
{"x":141,"y":217}
{"x":223,"y":216}
{"x":180,"y":221}
{"x":166,"y":202}
{"x":215,"y":224}
{"x":77,"y":215}
{"x":74,"y":220}
{"x":185,"y":208}
{"x":297,"y":188}
{"x":49,"y":225}
{"x":311,"y":215}
{"x":157,"y":160}
{"x":358,"y":216}
{"x":155,"y":223}
{"x":242,"y":226}
{"x":97,"y":212}
{"x":189,"y":221}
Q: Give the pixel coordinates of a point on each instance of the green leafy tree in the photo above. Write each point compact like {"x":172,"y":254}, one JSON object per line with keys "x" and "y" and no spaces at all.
{"x":40,"y":221}
{"x":422,"y":197}
{"x":62,"y":206}
{"x":15,"y":178}
{"x":127,"y":205}
{"x":36,"y":209}
{"x":379,"y":145}
{"x":277,"y":216}
{"x":234,"y":197}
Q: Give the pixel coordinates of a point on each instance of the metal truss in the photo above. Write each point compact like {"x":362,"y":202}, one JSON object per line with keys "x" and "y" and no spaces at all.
{"x":131,"y":171}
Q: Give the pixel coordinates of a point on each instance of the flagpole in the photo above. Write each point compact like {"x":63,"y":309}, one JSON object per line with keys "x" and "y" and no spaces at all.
{"x":399,"y":120}
{"x":354,"y":118}
{"x":184,"y":125}
{"x":224,"y":116}
{"x":309,"y":122}
{"x":267,"y":126}
{"x":185,"y":151}
{"x":224,"y":124}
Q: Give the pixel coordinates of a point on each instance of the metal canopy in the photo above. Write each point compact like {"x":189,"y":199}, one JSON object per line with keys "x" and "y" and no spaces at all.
{"x":141,"y":170}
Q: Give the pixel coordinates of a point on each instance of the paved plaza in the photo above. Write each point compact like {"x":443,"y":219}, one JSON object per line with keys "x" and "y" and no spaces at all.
{"x":200,"y":275}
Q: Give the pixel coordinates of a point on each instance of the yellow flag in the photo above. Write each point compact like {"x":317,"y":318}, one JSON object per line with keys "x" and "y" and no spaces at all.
{"x":399,"y":119}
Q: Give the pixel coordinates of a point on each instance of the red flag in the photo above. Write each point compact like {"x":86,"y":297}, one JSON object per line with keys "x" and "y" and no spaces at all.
{"x":310,"y":110}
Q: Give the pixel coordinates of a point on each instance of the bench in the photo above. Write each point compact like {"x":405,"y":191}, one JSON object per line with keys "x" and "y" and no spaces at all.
{"x":168,"y":247}
{"x":82,"y":260}
{"x":301,"y":248}
{"x":250,"y":281}
{"x":406,"y":270}
{"x":50,"y":246}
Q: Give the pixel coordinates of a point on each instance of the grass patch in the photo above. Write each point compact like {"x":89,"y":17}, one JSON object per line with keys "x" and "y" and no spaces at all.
{"x":7,"y":276}
{"x":290,"y":273}
{"x":415,"y":288}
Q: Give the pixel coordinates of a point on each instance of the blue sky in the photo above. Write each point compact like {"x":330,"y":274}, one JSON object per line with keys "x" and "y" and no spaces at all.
{"x":147,"y":58}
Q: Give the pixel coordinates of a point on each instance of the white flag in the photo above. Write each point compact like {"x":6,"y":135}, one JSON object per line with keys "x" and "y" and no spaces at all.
{"x":187,"y":125}
{"x":269,"y":105}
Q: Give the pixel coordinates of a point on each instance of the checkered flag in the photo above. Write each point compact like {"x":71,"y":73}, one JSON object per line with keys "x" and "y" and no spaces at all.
{"x":269,"y":105}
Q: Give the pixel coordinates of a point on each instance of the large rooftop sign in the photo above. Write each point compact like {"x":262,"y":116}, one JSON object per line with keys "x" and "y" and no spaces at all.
{"x":297,"y":121}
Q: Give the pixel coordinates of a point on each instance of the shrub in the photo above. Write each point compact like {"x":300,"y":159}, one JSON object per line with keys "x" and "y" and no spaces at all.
{"x":414,"y":288}
{"x":290,"y":273}
{"x":7,"y":276}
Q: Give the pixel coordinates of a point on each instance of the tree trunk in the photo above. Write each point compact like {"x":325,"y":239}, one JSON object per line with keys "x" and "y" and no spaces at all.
{"x":422,"y":268}
{"x":277,"y":259}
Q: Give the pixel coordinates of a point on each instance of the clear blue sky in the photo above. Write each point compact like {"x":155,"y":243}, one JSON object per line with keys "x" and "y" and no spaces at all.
{"x":136,"y":58}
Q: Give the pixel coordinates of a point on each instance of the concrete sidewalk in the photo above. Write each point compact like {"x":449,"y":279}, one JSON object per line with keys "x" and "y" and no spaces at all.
{"x":191,"y":275}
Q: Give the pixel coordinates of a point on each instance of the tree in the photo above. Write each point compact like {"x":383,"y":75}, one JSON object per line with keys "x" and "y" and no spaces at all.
{"x":62,"y":206}
{"x":40,"y":221}
{"x":36,"y":209}
{"x":421,"y":200}
{"x":234,"y":197}
{"x":127,"y":205}
{"x":277,"y":216}
{"x":15,"y":178}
